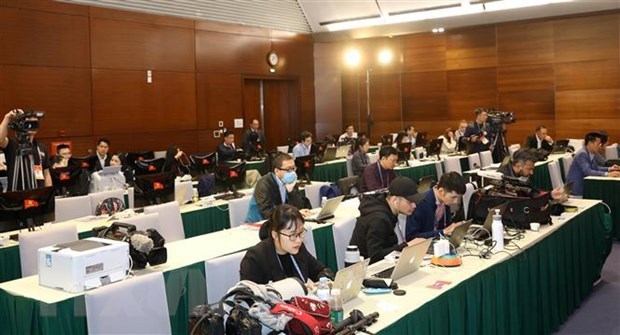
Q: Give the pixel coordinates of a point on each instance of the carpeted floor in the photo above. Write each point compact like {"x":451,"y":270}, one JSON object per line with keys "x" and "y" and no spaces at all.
{"x":600,"y":313}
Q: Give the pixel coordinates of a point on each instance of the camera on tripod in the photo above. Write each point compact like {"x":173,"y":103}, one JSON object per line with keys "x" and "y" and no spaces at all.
{"x":22,"y":124}
{"x":497,"y":118}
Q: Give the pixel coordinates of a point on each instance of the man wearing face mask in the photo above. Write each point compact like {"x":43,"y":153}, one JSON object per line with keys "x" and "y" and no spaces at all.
{"x":275,"y":188}
{"x":375,"y":232}
{"x":432,"y":216}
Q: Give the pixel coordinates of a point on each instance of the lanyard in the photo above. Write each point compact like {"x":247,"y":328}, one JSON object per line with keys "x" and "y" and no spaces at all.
{"x":301,"y":276}
{"x":381,"y":176}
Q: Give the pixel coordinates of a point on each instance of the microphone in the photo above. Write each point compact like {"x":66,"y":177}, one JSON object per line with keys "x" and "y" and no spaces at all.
{"x":142,"y":243}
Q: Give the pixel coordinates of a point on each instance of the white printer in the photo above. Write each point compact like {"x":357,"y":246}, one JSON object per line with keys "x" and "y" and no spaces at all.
{"x":84,"y":264}
{"x":110,"y":178}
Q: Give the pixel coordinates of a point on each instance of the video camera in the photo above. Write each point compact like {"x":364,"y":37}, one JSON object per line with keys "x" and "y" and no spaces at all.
{"x":22,"y":125}
{"x":497,"y":118}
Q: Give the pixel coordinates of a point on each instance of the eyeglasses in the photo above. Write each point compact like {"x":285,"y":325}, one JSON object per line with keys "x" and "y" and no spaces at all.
{"x":291,"y":169}
{"x":294,"y":237}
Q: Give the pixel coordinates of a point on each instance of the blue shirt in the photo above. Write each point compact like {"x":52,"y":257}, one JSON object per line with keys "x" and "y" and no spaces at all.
{"x":583,"y":165}
{"x":300,"y":150}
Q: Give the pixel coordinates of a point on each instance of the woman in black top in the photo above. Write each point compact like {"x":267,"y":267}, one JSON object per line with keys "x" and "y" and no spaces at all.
{"x":282,"y":254}
{"x":173,"y":163}
{"x":360,"y":159}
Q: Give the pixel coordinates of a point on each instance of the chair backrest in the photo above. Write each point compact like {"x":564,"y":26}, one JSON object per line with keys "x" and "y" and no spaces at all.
{"x":130,"y":196}
{"x":419,"y":152}
{"x":611,"y":151}
{"x":555,"y":174}
{"x":70,"y":208}
{"x":343,"y":229}
{"x":348,"y":185}
{"x":576,"y":143}
{"x":313,"y":191}
{"x":486,"y":158}
{"x":350,"y":166}
{"x":238,"y":210}
{"x":513,"y":148}
{"x":282,"y":148}
{"x":567,"y":160}
{"x":132,"y":306}
{"x":145,"y":221}
{"x":31,"y":242}
{"x":170,"y":220}
{"x":221,"y":274}
{"x":309,"y":240}
{"x":474,"y":161}
{"x":453,"y":164}
{"x":98,"y":197}
{"x":470,"y":189}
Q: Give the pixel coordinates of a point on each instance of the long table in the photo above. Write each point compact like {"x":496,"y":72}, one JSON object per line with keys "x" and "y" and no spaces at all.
{"x":527,"y":290}
{"x":608,"y":190}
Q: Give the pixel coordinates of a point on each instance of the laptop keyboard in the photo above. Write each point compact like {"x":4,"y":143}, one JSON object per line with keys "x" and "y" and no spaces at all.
{"x":387,"y":273}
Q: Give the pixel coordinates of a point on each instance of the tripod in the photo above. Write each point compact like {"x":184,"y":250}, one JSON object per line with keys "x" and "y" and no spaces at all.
{"x":500,"y":150}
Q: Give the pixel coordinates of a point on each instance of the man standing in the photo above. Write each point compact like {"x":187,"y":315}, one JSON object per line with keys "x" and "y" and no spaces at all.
{"x":585,"y":165}
{"x":375,"y":229}
{"x":101,"y":157}
{"x":254,"y":137}
{"x":477,"y":133}
{"x":540,"y":140}
{"x":27,"y":160}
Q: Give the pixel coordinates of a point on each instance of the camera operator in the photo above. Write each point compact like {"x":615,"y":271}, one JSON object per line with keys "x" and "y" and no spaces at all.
{"x":521,"y":165}
{"x":27,"y":160}
{"x":477,"y":133}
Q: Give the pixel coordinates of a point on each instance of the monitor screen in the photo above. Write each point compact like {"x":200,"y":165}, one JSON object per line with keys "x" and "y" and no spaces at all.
{"x":149,"y":166}
{"x":152,"y":189}
{"x":305,"y":166}
{"x":202,"y":163}
{"x":386,"y":139}
{"x":86,"y":163}
{"x":434,"y":147}
{"x":318,"y":149}
{"x":70,"y":181}
{"x":404,"y":151}
{"x":420,"y":139}
{"x":230,"y":176}
{"x":30,"y":208}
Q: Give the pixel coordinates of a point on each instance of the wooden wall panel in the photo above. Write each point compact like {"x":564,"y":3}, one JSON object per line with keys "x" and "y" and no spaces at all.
{"x":295,"y":58}
{"x":425,"y":95}
{"x":63,"y":93}
{"x":593,"y":104}
{"x":525,"y":78}
{"x":525,"y":43}
{"x":471,"y":48}
{"x":385,"y":97}
{"x":228,"y":53}
{"x":351,"y":107}
{"x":46,"y":6}
{"x":529,"y":104}
{"x":590,"y":75}
{"x":587,"y":38}
{"x":127,"y":16}
{"x":424,"y":52}
{"x":43,"y":39}
{"x":131,"y":45}
{"x":219,"y":98}
{"x":124,"y":102}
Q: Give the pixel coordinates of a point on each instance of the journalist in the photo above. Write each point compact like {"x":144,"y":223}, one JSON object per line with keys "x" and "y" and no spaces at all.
{"x":584,"y":163}
{"x":282,"y":254}
{"x":379,"y":175}
{"x":540,"y":140}
{"x":27,"y":160}
{"x":477,"y":134}
{"x":521,"y":165}
{"x":253,"y":136}
{"x":101,"y":157}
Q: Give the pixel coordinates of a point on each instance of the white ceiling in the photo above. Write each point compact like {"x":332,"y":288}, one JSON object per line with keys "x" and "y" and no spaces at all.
{"x":310,"y":16}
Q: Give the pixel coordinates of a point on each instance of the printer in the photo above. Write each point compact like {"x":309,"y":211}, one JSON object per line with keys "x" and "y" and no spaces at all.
{"x":110,"y":178}
{"x":84,"y":264}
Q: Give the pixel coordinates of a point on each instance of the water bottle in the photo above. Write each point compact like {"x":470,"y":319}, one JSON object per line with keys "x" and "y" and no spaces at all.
{"x":351,"y":256}
{"x":322,"y":292}
{"x":335,"y":306}
{"x":498,"y":232}
{"x":323,"y":201}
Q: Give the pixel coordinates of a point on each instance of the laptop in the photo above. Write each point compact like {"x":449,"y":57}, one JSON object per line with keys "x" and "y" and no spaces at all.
{"x":343,"y":151}
{"x":111,"y":170}
{"x":459,"y":233}
{"x":568,"y":188}
{"x":330,"y":154}
{"x":410,"y":259}
{"x":483,"y":234}
{"x":349,"y":280}
{"x":327,"y":212}
{"x":560,"y":147}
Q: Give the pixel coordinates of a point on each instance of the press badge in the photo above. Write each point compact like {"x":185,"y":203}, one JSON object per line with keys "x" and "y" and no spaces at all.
{"x":38,"y":172}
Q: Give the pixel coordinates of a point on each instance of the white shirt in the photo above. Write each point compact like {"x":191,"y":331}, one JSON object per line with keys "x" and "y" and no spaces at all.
{"x":538,"y":142}
{"x":102,"y":159}
{"x":345,"y":136}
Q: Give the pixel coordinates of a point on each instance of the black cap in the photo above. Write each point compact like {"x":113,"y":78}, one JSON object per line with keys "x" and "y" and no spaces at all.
{"x":406,"y":188}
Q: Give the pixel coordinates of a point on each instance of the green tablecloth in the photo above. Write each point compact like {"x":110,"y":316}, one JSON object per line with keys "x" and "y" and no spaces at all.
{"x":330,"y":172}
{"x":205,"y":220}
{"x":324,"y":245}
{"x":256,"y":165}
{"x":10,"y":268}
{"x":541,"y":179}
{"x":609,"y":192}
{"x":417,"y":172}
{"x":532,"y":293}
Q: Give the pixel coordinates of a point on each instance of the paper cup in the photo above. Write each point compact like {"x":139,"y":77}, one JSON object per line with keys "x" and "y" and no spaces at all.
{"x":534,"y":226}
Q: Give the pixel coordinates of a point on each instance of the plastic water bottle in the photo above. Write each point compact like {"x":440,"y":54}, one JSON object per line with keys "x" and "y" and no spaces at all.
{"x":323,"y":201}
{"x":322,"y":292}
{"x":351,"y":256}
{"x":498,"y":232}
{"x":335,"y":306}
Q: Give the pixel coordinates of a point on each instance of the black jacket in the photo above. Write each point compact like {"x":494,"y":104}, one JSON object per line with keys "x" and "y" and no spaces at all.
{"x":95,"y":164}
{"x":256,"y":136}
{"x":267,"y":197}
{"x":531,"y":142}
{"x":478,"y":130}
{"x":261,"y":265}
{"x":225,"y":154}
{"x":374,"y":230}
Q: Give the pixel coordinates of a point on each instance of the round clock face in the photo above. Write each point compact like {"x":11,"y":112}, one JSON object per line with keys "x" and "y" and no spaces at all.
{"x":272,"y":58}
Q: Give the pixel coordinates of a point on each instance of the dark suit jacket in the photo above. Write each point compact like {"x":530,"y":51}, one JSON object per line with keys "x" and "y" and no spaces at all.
{"x":531,"y":142}
{"x":246,"y":139}
{"x":261,"y":265}
{"x":225,"y":154}
{"x":96,"y":164}
{"x":375,"y":177}
{"x":479,"y":130}
{"x":581,"y":167}
{"x":422,"y":222}
{"x":267,"y":196}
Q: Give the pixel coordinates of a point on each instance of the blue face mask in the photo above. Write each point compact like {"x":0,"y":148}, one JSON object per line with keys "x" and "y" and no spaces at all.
{"x":289,"y":177}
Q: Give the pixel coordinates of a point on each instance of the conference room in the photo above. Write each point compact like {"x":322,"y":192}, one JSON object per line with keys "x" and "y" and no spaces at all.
{"x":170,"y":123}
